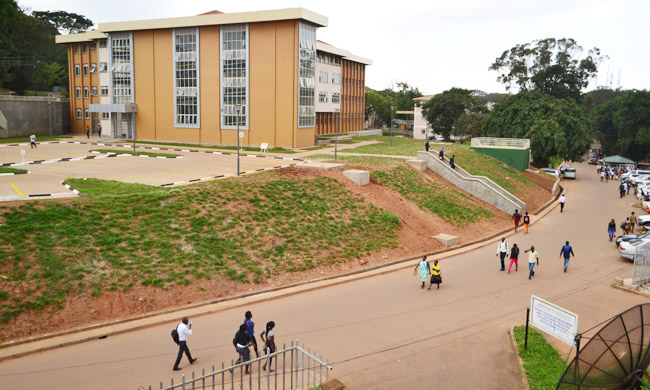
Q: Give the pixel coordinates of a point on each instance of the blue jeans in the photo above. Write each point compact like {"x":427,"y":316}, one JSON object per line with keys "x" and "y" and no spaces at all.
{"x":611,"y":233}
{"x":566,"y":262}
{"x":531,"y":266}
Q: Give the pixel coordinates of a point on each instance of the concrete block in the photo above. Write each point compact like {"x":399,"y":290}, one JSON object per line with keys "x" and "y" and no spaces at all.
{"x":420,"y":165}
{"x":333,"y":384}
{"x":319,"y":165}
{"x":359,"y":177}
{"x":447,"y":239}
{"x":618,"y":282}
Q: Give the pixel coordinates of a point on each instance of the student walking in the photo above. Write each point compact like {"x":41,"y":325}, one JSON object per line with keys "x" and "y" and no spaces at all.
{"x":502,"y":251}
{"x":562,"y":201}
{"x":441,"y":154}
{"x":423,"y":269}
{"x":427,"y":146}
{"x":184,"y":329}
{"x":567,"y":252}
{"x":435,"y":275}
{"x":611,"y":229}
{"x":88,"y":132}
{"x":99,"y":130}
{"x":632,"y":222}
{"x":533,"y":258}
{"x":452,"y":161}
{"x":32,"y":141}
{"x":251,"y":331}
{"x":514,"y":258}
{"x":242,"y":342}
{"x":516,"y":217}
{"x":268,"y":337}
{"x":526,"y":222}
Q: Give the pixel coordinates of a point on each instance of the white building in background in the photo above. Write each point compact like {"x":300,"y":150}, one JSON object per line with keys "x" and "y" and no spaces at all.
{"x":421,"y":128}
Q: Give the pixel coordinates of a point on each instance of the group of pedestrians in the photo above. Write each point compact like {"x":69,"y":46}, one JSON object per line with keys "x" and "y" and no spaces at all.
{"x":627,"y":226}
{"x":533,"y":257}
{"x":517,"y":218}
{"x":244,"y":339}
{"x":427,"y":272}
{"x":441,"y":155}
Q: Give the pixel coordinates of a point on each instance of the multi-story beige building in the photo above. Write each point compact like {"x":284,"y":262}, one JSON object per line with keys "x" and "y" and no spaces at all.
{"x":198,"y":79}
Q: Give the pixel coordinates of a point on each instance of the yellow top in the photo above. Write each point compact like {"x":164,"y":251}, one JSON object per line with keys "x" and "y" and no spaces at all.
{"x":436,"y":270}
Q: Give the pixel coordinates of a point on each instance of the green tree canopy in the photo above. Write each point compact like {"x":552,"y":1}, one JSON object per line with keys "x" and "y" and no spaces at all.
{"x":469,"y":124}
{"x":381,"y":101}
{"x":443,"y":110}
{"x":623,"y":125}
{"x":64,"y":22}
{"x":552,"y":66}
{"x":555,"y":127}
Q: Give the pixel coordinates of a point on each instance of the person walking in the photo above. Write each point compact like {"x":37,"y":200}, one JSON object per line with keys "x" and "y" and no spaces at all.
{"x":632,"y":222}
{"x":526,"y":222}
{"x":602,"y":176}
{"x":184,"y":329}
{"x":562,"y":201}
{"x":611,"y":229}
{"x":621,"y":190}
{"x":626,"y":226}
{"x":514,"y":258}
{"x":242,"y":342}
{"x":502,"y":251}
{"x":88,"y":132}
{"x":441,"y":154}
{"x":268,"y":337}
{"x":533,"y":258}
{"x":435,"y":275}
{"x":427,"y":146}
{"x":423,"y":269}
{"x":32,"y":141}
{"x":516,"y":217}
{"x":251,"y":331}
{"x":99,"y":130}
{"x":567,"y":252}
{"x":452,"y":161}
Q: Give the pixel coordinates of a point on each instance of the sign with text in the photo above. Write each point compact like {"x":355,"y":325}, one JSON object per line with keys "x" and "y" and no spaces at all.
{"x":554,"y":320}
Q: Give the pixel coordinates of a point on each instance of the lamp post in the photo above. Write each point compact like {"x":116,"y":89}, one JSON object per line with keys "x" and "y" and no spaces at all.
{"x":336,"y":135}
{"x":392,"y":108}
{"x":237,"y":107}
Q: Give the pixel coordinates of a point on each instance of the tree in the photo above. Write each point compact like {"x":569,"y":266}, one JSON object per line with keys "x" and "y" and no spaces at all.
{"x":49,"y":74}
{"x":548,"y":65}
{"x":469,"y":124}
{"x":381,"y":101}
{"x":555,"y":127}
{"x":623,"y":125}
{"x":443,"y":110}
{"x":64,"y":22}
{"x":379,"y":104}
{"x":598,"y":97}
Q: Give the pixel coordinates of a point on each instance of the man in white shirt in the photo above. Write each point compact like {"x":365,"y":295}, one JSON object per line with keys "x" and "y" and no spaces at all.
{"x":562,"y":201}
{"x":502,"y":250}
{"x":32,"y":141}
{"x":183,"y":330}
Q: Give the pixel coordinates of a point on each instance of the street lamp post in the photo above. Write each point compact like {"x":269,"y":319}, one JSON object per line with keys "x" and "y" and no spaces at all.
{"x":392,"y":108}
{"x":237,"y":107}
{"x":336,"y":135}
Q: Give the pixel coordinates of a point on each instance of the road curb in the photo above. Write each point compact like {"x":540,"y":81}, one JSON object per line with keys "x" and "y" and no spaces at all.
{"x":524,"y":378}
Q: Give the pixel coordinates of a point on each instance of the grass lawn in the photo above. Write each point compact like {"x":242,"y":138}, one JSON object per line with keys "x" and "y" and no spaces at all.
{"x":245,"y":229}
{"x":370,"y":163}
{"x":542,"y":363}
{"x":12,"y":170}
{"x":475,"y":163}
{"x":150,"y":154}
{"x":39,"y":138}
{"x":246,"y":149}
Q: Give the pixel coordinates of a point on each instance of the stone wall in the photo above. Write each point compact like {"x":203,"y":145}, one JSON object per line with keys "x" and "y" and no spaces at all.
{"x":20,"y":118}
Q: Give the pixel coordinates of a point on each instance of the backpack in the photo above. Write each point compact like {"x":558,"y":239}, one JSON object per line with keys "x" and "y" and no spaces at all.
{"x":175,"y":336}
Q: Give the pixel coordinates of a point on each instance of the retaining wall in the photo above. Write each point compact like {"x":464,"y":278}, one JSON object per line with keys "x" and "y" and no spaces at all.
{"x":20,"y":118}
{"x":479,"y":186}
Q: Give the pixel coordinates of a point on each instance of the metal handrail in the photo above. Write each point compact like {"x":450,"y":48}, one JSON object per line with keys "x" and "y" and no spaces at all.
{"x":508,"y":142}
{"x":34,"y":98}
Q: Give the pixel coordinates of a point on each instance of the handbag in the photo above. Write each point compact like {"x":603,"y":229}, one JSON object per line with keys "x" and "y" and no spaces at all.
{"x":415,"y":272}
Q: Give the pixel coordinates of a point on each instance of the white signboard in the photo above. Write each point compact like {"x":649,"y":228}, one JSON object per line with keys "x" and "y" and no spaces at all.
{"x":241,"y":134}
{"x":554,"y":320}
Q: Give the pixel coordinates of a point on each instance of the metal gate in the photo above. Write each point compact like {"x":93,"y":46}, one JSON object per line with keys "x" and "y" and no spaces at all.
{"x":294,"y":368}
{"x":641,"y":272}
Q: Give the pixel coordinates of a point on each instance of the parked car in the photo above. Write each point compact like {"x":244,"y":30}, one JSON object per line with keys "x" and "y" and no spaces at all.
{"x":632,"y":237}
{"x":643,"y":221}
{"x":551,"y":171}
{"x":627,"y":249}
{"x":569,"y":173}
{"x":436,"y":138}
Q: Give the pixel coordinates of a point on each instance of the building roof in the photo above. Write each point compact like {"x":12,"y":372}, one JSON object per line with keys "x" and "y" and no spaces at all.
{"x":617,"y":160}
{"x":87,"y":36}
{"x":404,"y":112}
{"x":346,"y":55}
{"x":424,"y":98}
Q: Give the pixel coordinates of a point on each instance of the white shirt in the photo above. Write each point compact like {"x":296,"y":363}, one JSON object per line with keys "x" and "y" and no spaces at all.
{"x":183,"y":332}
{"x":532,"y":256}
{"x":502,"y":246}
{"x":32,"y":138}
{"x":562,"y":199}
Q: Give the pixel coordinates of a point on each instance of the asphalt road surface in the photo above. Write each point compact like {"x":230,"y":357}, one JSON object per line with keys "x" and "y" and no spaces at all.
{"x":385,"y":332}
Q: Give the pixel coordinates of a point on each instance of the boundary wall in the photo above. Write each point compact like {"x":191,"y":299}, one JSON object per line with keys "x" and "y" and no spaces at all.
{"x":20,"y":118}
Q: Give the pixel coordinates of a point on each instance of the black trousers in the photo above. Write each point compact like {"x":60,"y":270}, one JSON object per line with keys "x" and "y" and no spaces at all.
{"x":182,"y":347}
{"x":502,"y":255}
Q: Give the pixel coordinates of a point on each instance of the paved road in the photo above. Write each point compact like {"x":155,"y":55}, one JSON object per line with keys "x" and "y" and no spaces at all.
{"x":385,"y":332}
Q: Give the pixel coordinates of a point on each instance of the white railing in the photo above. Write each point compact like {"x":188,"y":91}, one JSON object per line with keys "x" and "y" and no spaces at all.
{"x":507,"y":142}
{"x":34,"y":98}
{"x":294,"y":368}
{"x":641,"y":271}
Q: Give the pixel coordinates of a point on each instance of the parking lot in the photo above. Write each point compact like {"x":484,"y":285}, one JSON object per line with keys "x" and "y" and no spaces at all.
{"x":52,"y":163}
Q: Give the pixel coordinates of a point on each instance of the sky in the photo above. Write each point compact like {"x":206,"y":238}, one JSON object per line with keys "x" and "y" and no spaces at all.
{"x":434,"y":45}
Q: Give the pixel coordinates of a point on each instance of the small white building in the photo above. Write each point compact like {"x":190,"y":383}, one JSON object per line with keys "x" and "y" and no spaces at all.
{"x":421,"y":128}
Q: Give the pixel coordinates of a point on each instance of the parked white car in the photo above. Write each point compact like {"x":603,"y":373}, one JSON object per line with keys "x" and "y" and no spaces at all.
{"x":627,"y":249}
{"x":643,"y":221}
{"x":569,"y":173}
{"x":551,"y":171}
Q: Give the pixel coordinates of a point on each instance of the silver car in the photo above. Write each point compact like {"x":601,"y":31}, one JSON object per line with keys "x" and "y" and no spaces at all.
{"x":627,"y":249}
{"x":569,"y":173}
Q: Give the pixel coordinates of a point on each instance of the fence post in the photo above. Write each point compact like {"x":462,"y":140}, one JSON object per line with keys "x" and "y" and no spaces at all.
{"x":526,"y":335}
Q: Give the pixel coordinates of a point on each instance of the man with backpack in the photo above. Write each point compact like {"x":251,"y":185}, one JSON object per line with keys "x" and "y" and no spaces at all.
{"x":179,"y":335}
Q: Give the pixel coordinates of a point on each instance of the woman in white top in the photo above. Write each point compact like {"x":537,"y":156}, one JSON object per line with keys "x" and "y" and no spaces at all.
{"x":268,"y":337}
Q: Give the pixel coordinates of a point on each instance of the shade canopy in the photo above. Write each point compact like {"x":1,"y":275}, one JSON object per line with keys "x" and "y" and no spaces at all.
{"x":617,"y":160}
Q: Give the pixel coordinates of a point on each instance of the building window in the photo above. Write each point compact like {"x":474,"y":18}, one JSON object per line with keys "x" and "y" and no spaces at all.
{"x":306,"y":75}
{"x":336,"y":97}
{"x":77,"y":70}
{"x":104,"y":90}
{"x":84,"y":48}
{"x":102,"y":43}
{"x":93,"y":68}
{"x":86,"y":93}
{"x":186,"y":77}
{"x":234,"y":76}
{"x":76,"y":48}
{"x":78,"y":113}
{"x":93,"y":91}
{"x":322,"y":97}
{"x":323,"y":77}
{"x":106,"y":115}
{"x":103,"y":67}
{"x":336,"y":78}
{"x":86,"y":114}
{"x":121,"y":67}
{"x":93,"y":46}
{"x":85,"y":67}
{"x":77,"y":92}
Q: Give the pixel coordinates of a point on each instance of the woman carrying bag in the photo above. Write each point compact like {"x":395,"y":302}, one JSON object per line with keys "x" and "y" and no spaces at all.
{"x":423,"y":269}
{"x":435,"y":277}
